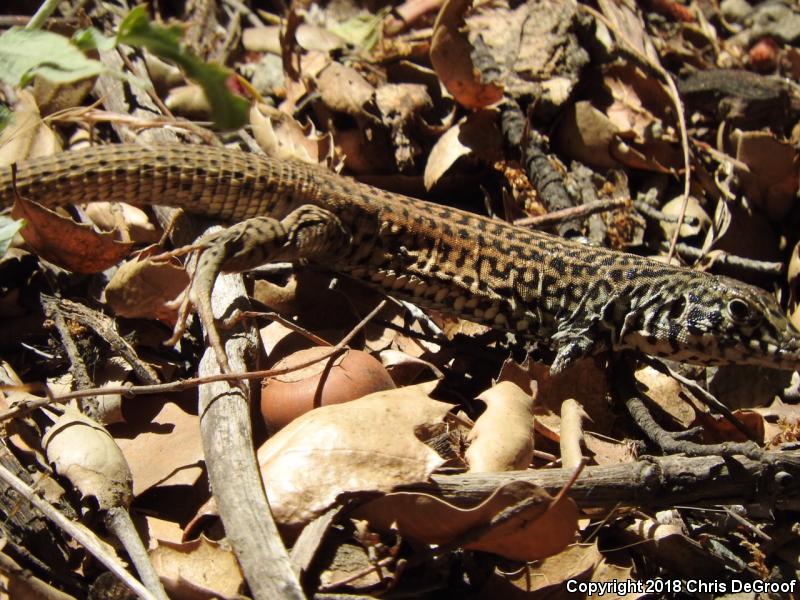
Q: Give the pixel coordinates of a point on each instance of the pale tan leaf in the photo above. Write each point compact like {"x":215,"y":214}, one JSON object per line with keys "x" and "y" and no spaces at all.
{"x":198,"y":569}
{"x":344,"y":89}
{"x":27,"y":136}
{"x":474,"y":135}
{"x":502,"y":438}
{"x":367,"y":444}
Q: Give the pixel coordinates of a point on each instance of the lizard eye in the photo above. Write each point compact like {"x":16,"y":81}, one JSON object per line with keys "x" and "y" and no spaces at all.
{"x":739,"y":311}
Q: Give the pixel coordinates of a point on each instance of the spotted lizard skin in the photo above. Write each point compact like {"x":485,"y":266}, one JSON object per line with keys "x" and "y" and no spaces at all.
{"x":581,"y":299}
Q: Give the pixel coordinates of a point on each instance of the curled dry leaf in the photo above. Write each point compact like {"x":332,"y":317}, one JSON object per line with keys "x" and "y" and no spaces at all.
{"x":539,"y":530}
{"x":144,"y":288}
{"x":85,"y":453}
{"x":201,"y":568}
{"x":406,"y":369}
{"x":368,"y":444}
{"x":477,"y":134}
{"x":281,"y":136}
{"x":132,"y":222}
{"x":27,"y":135}
{"x":502,"y":438}
{"x":451,"y":57}
{"x":572,"y":438}
{"x":62,"y":241}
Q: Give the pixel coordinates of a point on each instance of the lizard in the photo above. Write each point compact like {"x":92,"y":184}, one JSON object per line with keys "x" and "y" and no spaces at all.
{"x":580,"y":299}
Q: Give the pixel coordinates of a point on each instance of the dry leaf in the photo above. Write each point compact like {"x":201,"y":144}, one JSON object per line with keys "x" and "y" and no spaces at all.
{"x":131,"y":222}
{"x":772,"y":180}
{"x":161,"y":443}
{"x":188,"y":101}
{"x":451,"y":57}
{"x":201,"y":569}
{"x":717,"y":429}
{"x":365,"y":445}
{"x":538,"y":531}
{"x":502,"y":438}
{"x":27,"y":136}
{"x":667,"y":393}
{"x":476,"y":135}
{"x":345,"y":90}
{"x":143,"y":288}
{"x":62,"y":241}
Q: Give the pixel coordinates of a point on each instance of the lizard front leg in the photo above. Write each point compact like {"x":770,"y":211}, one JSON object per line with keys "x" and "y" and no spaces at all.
{"x":309,"y":233}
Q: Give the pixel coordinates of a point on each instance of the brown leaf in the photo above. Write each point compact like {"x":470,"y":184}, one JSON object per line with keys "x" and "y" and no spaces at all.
{"x":281,"y":136}
{"x":345,"y":90}
{"x":143,"y":288}
{"x":772,"y":181}
{"x":161,"y":442}
{"x":538,"y":531}
{"x":451,"y":58}
{"x":62,"y":241}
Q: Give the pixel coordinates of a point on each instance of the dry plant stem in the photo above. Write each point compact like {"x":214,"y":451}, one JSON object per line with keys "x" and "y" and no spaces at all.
{"x":575,"y":212}
{"x":118,"y":521}
{"x":82,"y":535}
{"x":233,"y":472}
{"x":774,"y":269}
{"x":654,"y":482}
{"x":745,"y":523}
{"x":131,"y":391}
{"x":26,"y":584}
{"x":104,"y":327}
{"x":672,"y":443}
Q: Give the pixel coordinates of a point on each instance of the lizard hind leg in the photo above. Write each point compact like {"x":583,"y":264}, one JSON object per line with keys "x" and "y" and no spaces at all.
{"x":309,"y":232}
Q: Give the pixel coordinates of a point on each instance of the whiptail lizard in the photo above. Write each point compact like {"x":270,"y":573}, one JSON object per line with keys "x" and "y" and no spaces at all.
{"x":582,"y":298}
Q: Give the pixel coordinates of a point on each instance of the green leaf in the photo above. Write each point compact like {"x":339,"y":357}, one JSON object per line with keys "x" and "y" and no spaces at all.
{"x":93,"y":39}
{"x":8,"y":229}
{"x":27,"y":53}
{"x":228,"y":110}
{"x":362,"y":31}
{"x":5,"y":116}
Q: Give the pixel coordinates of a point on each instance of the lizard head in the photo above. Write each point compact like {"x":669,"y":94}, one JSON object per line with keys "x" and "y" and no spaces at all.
{"x":713,"y":320}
